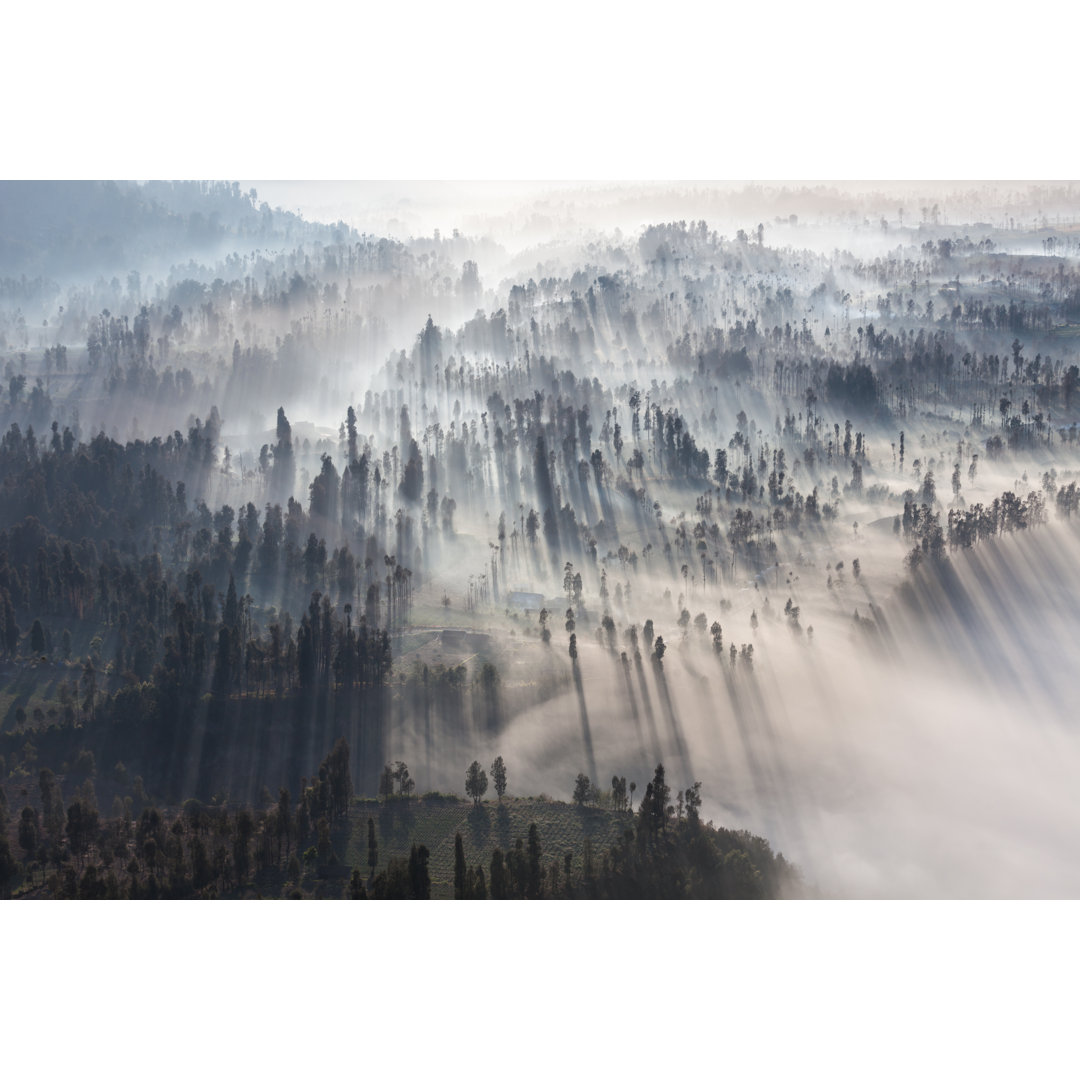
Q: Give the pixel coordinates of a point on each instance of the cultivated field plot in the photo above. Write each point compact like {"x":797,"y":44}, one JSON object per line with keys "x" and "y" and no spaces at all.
{"x":563,"y":829}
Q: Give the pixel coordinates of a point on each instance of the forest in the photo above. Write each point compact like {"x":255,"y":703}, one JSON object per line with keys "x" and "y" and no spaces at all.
{"x":762,"y":502}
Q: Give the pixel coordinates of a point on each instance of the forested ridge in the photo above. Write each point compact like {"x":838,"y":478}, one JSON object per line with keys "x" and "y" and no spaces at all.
{"x":62,"y":227}
{"x":329,"y":845}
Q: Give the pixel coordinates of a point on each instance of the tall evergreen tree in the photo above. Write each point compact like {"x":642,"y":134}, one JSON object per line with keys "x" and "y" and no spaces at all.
{"x":535,"y":877}
{"x":498,"y":775}
{"x":419,"y":878}
{"x":459,"y":868}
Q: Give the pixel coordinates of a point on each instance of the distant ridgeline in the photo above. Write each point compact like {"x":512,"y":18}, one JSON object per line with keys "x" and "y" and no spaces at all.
{"x":73,"y":227}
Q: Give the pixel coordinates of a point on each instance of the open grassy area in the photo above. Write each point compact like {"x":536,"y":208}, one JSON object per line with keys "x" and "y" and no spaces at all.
{"x":1066,"y":330}
{"x":33,"y":685}
{"x":31,"y":682}
{"x":399,"y":824}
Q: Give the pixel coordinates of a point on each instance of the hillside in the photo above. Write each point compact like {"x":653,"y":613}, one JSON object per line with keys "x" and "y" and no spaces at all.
{"x":434,"y":823}
{"x":60,"y":228}
{"x":584,"y":852}
{"x":564,"y":830}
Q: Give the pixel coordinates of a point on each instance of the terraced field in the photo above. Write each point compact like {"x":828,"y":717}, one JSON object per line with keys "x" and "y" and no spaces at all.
{"x":398,"y":825}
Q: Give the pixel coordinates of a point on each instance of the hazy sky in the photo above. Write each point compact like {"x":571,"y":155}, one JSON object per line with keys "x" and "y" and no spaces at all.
{"x":417,"y":207}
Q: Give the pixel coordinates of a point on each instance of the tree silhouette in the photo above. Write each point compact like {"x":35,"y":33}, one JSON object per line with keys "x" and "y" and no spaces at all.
{"x":475,"y":782}
{"x":459,"y":868}
{"x":498,"y":775}
{"x":582,"y":789}
{"x":659,"y":648}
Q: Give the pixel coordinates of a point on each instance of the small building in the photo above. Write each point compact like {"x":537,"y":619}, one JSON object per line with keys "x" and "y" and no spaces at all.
{"x":525,"y":601}
{"x":465,"y":639}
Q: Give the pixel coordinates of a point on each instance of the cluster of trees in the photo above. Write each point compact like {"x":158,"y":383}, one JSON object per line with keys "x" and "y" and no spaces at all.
{"x":668,"y":853}
{"x":147,"y":601}
{"x":108,"y":226}
{"x":210,"y":850}
{"x":400,"y":880}
{"x":199,"y":851}
{"x":1007,"y":513}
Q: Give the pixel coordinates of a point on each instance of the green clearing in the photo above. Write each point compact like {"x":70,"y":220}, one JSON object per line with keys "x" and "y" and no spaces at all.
{"x":30,"y":682}
{"x":1067,"y":330}
{"x":399,"y":824}
{"x":33,"y":686}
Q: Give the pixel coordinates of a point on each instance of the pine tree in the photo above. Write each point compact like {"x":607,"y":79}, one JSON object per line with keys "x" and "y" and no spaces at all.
{"x":498,"y":876}
{"x":419,"y":878}
{"x":535,"y":879}
{"x":475,"y":782}
{"x":357,"y":889}
{"x":459,"y":868}
{"x":498,"y":774}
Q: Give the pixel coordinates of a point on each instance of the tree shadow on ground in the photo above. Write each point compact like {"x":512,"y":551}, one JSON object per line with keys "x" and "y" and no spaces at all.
{"x":586,"y":732}
{"x":397,"y":818}
{"x":479,"y":825}
{"x":502,"y":825}
{"x":592,"y":819}
{"x":670,"y":715}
